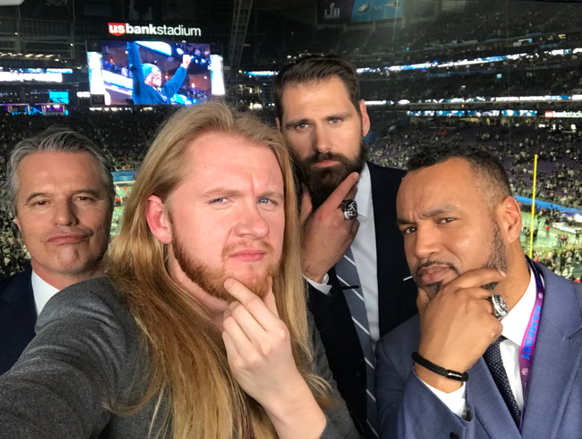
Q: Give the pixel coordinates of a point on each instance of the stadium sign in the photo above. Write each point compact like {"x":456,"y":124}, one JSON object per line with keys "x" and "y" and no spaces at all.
{"x":119,"y":29}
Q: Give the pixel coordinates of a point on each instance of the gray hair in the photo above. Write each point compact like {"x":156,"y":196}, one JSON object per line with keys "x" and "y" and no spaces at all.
{"x":57,"y":140}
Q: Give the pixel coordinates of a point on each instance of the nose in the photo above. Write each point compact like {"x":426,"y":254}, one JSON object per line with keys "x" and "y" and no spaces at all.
{"x":321,"y":140}
{"x":426,"y":242}
{"x":65,"y":213}
{"x":251,"y":223}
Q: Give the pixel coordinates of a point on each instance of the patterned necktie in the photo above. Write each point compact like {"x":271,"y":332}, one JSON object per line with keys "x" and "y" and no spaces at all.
{"x":347,"y":273}
{"x":492,"y":357}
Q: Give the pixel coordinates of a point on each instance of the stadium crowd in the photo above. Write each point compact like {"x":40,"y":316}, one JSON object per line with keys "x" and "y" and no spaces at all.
{"x":124,"y":136}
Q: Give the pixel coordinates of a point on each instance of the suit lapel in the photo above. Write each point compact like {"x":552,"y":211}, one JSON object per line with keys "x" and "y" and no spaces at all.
{"x":490,"y":408}
{"x":556,"y":361}
{"x":396,"y":296}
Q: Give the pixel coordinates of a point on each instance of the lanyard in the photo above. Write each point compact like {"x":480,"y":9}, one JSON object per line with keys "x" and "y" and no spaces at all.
{"x":528,"y":344}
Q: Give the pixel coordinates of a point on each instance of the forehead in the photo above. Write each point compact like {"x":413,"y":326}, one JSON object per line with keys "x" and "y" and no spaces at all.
{"x":60,"y":169}
{"x":311,"y":97}
{"x":216,"y":158}
{"x":453,"y":182}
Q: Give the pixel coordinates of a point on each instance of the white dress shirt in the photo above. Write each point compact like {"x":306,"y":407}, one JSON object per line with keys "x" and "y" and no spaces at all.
{"x":514,"y":327}
{"x":364,"y":251}
{"x":42,"y":292}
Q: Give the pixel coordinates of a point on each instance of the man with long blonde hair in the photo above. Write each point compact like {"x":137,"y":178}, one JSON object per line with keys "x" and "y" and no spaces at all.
{"x":199,"y":329}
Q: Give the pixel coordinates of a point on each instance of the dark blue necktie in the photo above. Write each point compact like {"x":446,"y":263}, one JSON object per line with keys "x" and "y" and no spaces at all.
{"x":492,"y":357}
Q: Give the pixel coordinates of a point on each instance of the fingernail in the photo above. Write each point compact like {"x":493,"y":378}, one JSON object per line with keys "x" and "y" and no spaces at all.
{"x":228,"y":283}
{"x":502,"y":273}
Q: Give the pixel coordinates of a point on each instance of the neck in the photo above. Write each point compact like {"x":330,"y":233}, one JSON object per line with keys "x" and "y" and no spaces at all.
{"x":515,"y":285}
{"x":61,"y":281}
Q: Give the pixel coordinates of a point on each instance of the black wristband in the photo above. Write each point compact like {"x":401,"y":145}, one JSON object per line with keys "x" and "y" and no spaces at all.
{"x":451,"y":374}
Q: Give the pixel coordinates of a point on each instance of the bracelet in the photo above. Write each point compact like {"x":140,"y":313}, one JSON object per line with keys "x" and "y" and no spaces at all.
{"x":451,"y":374}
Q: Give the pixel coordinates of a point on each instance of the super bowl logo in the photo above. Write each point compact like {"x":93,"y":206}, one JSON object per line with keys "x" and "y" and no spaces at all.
{"x":117,"y":29}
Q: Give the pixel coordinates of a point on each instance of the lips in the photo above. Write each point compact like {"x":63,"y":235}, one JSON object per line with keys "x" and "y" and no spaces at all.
{"x":67,"y":238}
{"x":325,"y":163}
{"x":433,"y":273}
{"x":248,"y":255}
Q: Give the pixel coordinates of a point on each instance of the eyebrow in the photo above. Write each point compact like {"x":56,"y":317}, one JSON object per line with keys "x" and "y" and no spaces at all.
{"x":446,"y":208}
{"x":91,"y":192}
{"x":294,"y":123}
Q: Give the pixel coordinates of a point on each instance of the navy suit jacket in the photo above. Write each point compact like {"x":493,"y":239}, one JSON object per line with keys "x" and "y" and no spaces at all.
{"x":396,"y":297}
{"x":17,"y":317}
{"x":553,"y":408}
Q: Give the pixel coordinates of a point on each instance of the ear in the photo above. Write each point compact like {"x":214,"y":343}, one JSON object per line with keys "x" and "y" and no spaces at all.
{"x":17,"y":222}
{"x":365,"y":118}
{"x":158,"y":220}
{"x":278,"y":123}
{"x":510,"y":218}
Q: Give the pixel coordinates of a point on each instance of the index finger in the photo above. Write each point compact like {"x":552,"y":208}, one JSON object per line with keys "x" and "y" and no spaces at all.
{"x":341,"y":192}
{"x":475,"y":279}
{"x":253,"y":303}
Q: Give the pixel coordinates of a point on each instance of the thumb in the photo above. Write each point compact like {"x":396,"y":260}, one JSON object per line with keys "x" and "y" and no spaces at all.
{"x":306,"y":206}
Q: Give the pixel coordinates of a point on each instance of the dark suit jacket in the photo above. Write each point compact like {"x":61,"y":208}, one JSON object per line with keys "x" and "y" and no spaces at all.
{"x":397,"y":297}
{"x":408,"y":409}
{"x":17,"y":317}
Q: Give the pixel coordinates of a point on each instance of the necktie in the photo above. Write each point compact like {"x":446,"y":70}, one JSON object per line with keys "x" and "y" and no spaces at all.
{"x":492,"y":357}
{"x":347,"y":273}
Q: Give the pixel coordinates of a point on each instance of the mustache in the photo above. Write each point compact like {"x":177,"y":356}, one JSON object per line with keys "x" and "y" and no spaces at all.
{"x":318,"y":157}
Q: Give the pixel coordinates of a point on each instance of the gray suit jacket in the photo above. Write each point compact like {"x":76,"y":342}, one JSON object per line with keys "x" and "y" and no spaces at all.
{"x":86,"y":354}
{"x":553,"y":409}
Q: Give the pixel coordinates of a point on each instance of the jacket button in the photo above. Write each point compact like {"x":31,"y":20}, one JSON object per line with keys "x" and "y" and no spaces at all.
{"x":453,"y":436}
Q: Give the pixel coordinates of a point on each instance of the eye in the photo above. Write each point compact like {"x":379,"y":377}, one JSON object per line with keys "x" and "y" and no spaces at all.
{"x":84,"y":198}
{"x":40,"y":203}
{"x":408,"y":230}
{"x":334,"y":120}
{"x":301,"y":126}
{"x":446,"y":220}
{"x":268,"y":201}
{"x":218,"y":200}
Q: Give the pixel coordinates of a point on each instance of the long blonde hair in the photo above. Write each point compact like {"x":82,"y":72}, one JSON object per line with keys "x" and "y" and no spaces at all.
{"x":188,"y":367}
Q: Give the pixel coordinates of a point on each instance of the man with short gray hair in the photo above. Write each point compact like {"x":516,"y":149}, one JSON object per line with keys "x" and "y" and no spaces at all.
{"x":62,"y":196}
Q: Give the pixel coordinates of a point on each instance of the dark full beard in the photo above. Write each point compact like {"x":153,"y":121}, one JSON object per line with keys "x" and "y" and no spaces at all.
{"x":497,"y":259}
{"x":321,"y":182}
{"x":211,"y":280}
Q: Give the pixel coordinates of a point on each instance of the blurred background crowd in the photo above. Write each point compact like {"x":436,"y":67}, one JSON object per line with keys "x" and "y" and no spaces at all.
{"x":504,"y":75}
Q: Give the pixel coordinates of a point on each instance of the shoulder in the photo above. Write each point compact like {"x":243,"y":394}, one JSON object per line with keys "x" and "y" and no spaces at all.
{"x":93,"y":299}
{"x":385,"y":181}
{"x":386,"y":173}
{"x":399,"y":343}
{"x":14,"y":286}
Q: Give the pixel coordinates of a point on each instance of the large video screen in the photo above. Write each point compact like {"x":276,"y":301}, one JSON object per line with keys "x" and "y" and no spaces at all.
{"x":346,"y":11}
{"x":153,"y":73}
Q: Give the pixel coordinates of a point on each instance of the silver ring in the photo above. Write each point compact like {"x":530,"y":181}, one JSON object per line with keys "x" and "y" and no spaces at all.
{"x":350,"y":209}
{"x":499,"y":306}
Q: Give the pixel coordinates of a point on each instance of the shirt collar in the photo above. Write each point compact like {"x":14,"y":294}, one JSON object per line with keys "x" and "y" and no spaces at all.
{"x":516,"y":322}
{"x":364,"y":195}
{"x":42,"y":292}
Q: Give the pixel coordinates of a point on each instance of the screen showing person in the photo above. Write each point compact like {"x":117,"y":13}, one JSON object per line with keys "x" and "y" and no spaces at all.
{"x":150,"y":72}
